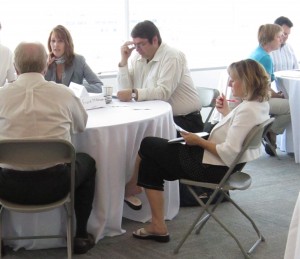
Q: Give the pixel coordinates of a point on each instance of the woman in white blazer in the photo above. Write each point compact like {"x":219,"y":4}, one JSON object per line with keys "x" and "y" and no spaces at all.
{"x":202,"y":159}
{"x":64,"y":66}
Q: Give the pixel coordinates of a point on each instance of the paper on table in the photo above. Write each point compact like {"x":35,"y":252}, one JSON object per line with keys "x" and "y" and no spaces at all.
{"x":181,"y":139}
{"x":89,"y":100}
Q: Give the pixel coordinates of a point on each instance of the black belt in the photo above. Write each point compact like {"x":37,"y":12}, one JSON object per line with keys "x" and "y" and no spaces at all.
{"x":190,"y":114}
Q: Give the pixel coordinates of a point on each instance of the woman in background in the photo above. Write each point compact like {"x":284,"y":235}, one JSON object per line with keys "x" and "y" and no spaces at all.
{"x":270,"y":39}
{"x":64,"y":66}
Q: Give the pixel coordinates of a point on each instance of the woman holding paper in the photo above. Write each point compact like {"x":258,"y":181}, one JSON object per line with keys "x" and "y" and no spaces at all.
{"x":64,"y":66}
{"x":201,"y":159}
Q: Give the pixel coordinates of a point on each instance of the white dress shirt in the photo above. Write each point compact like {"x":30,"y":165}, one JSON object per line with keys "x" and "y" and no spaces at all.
{"x":7,"y":69}
{"x":284,"y":58}
{"x":166,"y":77}
{"x":230,"y":133}
{"x":32,"y":107}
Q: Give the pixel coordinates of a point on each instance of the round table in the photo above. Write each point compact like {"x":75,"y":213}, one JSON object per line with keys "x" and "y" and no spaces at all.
{"x":289,"y":83}
{"x":112,"y":137}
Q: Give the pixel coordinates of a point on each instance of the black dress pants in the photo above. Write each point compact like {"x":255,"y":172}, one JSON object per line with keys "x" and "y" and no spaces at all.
{"x":48,"y":185}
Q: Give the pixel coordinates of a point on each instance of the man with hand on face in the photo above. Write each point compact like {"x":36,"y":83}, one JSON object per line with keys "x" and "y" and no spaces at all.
{"x":158,"y":72}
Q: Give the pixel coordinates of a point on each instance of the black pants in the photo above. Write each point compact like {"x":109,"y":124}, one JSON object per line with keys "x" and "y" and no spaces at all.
{"x":163,"y":161}
{"x":191,"y":122}
{"x":51,"y":184}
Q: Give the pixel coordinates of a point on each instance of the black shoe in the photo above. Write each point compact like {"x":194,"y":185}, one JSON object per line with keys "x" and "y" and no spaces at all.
{"x":82,"y":245}
{"x":2,"y":249}
{"x":269,"y":150}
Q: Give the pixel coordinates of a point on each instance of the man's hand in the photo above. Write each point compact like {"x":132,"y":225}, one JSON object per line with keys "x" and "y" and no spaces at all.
{"x":125,"y":95}
{"x":126,"y":50}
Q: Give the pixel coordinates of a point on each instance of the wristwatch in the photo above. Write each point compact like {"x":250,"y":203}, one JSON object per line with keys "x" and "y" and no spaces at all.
{"x":134,"y":94}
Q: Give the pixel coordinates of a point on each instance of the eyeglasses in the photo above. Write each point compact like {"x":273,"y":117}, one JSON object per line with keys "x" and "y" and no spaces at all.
{"x":284,"y":34}
{"x":140,"y":44}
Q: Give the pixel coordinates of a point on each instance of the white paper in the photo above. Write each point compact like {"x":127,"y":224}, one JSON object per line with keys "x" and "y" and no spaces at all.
{"x":89,"y":100}
{"x":79,"y":90}
{"x":181,"y":139}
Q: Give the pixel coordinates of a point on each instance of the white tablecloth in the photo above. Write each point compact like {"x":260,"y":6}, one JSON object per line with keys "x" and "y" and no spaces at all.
{"x":112,"y":138}
{"x":289,"y":83}
{"x":292,"y":250}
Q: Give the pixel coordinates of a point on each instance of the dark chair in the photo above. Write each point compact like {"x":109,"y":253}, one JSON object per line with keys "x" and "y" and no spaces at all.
{"x":23,"y":153}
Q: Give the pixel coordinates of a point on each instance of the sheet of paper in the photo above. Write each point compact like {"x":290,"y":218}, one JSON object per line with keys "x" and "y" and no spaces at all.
{"x":181,"y":139}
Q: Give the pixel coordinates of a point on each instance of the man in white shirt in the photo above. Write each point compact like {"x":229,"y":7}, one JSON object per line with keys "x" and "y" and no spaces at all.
{"x":284,"y":58}
{"x":7,"y":70}
{"x":158,"y":72}
{"x":32,"y":107}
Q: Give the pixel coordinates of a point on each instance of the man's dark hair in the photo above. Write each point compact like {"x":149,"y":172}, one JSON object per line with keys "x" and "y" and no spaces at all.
{"x":284,"y":21}
{"x":146,"y":30}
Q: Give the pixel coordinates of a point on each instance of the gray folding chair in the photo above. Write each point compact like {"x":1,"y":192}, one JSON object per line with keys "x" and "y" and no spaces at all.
{"x":266,"y":141}
{"x":207,"y":97}
{"x":23,"y":153}
{"x":233,"y":180}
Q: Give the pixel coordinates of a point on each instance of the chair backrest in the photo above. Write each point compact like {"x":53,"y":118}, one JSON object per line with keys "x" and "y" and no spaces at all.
{"x":23,"y":153}
{"x":38,"y":153}
{"x":207,"y":98}
{"x":252,"y":141}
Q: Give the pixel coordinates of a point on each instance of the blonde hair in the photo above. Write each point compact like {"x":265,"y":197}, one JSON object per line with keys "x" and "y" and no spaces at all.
{"x":254,"y":79}
{"x":267,"y":32}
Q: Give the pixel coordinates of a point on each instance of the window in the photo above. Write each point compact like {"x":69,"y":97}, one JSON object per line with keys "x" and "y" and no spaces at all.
{"x":211,"y":33}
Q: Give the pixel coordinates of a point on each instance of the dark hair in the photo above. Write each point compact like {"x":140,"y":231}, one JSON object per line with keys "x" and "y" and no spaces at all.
{"x":63,"y":34}
{"x":284,"y":21}
{"x":146,"y":30}
{"x":254,"y":79}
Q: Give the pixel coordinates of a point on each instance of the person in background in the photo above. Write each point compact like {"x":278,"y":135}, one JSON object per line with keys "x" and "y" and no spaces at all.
{"x":284,"y":58}
{"x":31,"y":107}
{"x":65,"y":66}
{"x":201,"y":159}
{"x":157,"y":72}
{"x":270,"y":39}
{"x":7,"y":70}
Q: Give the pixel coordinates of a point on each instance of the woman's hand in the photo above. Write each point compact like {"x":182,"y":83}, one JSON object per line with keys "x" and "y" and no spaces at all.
{"x":222,"y":105}
{"x":51,"y":59}
{"x":191,"y":139}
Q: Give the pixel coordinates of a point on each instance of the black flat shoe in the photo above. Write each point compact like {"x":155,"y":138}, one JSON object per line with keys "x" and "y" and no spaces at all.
{"x":269,"y":150}
{"x":144,"y":234}
{"x":82,"y":245}
{"x":133,"y":202}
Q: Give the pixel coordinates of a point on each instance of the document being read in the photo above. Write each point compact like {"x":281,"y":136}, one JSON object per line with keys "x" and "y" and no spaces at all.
{"x":89,"y":101}
{"x":181,"y":139}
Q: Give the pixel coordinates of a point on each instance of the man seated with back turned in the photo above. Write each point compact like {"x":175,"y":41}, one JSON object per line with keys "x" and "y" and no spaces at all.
{"x":32,"y":107}
{"x":157,"y":72}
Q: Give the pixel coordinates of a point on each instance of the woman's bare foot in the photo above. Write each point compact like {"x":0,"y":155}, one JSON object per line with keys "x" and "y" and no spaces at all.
{"x":132,"y":190}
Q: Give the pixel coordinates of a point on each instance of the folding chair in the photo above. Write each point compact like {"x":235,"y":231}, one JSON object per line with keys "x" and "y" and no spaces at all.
{"x":233,"y":180}
{"x":266,"y":141}
{"x":208,"y":97}
{"x":23,"y":153}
